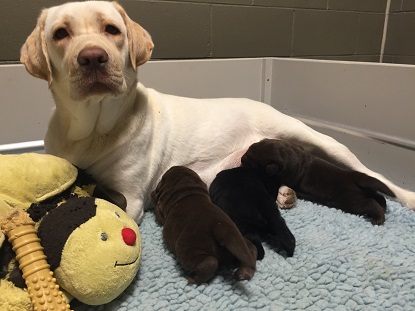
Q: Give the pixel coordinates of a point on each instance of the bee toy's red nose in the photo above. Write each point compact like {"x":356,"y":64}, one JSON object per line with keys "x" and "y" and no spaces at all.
{"x":128,"y":236}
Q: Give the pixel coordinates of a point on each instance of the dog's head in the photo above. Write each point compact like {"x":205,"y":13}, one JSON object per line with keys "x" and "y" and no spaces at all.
{"x":264,"y":155}
{"x":86,"y":49}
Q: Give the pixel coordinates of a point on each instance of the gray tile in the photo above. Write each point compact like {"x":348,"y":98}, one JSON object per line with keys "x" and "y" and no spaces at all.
{"x":349,"y":58}
{"x":404,"y":60}
{"x":316,"y":4}
{"x":400,"y":39}
{"x":387,"y":59}
{"x":370,"y":33}
{"x":309,"y":4}
{"x":325,"y":32}
{"x":396,"y":59}
{"x":395,"y":6}
{"x":358,"y":5}
{"x":251,"y":31}
{"x":234,"y":2}
{"x":179,"y":30}
{"x":408,"y":5}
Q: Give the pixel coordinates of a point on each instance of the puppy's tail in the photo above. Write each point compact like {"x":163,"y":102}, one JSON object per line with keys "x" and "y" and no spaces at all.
{"x":229,"y":237}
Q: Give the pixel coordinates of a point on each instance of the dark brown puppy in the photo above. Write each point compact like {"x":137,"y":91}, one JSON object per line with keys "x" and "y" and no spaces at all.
{"x":319,"y":181}
{"x":200,"y":234}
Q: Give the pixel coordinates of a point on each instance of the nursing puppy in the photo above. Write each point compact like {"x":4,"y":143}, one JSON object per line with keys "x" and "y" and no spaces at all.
{"x":319,"y":181}
{"x":247,"y":195}
{"x":196,"y":231}
{"x":127,"y":135}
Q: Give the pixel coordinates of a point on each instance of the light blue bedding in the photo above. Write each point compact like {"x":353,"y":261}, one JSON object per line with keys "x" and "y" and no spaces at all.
{"x":342,"y":262}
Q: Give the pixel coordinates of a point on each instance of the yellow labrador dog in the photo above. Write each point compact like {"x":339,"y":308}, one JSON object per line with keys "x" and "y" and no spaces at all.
{"x":127,"y":135}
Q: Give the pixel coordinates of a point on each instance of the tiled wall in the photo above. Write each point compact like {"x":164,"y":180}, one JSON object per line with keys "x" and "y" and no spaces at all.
{"x":327,"y":29}
{"x":400,"y":43}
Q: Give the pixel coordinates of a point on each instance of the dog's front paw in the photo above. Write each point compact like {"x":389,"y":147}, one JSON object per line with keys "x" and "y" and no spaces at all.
{"x":286,"y":197}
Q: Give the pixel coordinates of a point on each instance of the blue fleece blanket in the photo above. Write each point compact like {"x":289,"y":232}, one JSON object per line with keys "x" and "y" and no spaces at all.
{"x":342,"y":262}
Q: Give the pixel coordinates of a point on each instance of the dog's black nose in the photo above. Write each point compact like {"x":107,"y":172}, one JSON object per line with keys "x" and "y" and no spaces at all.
{"x":91,"y":57}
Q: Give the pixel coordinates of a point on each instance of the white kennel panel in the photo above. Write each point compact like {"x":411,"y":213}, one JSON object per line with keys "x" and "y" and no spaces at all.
{"x":369,"y":99}
{"x":26,"y":102}
{"x":368,"y":107}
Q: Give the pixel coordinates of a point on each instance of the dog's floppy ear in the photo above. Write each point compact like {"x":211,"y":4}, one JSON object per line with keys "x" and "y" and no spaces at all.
{"x":139,"y":40}
{"x":34,"y":54}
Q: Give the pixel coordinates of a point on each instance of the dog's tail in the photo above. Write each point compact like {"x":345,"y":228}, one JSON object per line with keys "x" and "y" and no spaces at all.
{"x":229,"y":237}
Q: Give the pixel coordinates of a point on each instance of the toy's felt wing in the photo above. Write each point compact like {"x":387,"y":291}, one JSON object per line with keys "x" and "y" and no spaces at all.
{"x":31,"y":178}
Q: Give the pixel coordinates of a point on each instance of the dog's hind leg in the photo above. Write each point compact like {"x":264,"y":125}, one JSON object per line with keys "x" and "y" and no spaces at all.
{"x":229,"y":237}
{"x":246,"y":272}
{"x":380,"y":199}
{"x":375,"y":212}
{"x":327,"y":148}
{"x":368,"y":208}
{"x":256,"y":242}
{"x":279,"y":235}
{"x":204,"y":270}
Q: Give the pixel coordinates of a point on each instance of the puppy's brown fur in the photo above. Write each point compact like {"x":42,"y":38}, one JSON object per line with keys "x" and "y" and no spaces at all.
{"x":200,"y":234}
{"x":319,"y":181}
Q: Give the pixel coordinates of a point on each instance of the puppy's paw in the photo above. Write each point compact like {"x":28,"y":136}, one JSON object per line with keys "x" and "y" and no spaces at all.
{"x":286,"y":197}
{"x":204,"y":271}
{"x":244,"y":273}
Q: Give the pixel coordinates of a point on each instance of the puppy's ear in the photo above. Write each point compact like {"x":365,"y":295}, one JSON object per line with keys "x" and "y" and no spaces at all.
{"x":112,"y":196}
{"x":139,"y":40}
{"x":34,"y":55}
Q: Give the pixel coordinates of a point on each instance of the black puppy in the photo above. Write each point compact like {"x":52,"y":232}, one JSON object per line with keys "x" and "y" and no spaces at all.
{"x":319,"y":181}
{"x":249,"y":196}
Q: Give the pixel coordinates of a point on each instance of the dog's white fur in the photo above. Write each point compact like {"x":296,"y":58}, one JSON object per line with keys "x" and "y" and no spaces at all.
{"x":127,"y":135}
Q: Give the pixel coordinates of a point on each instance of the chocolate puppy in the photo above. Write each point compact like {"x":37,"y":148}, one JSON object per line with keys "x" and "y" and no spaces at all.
{"x":319,"y":181}
{"x":248,"y":196}
{"x":200,"y":234}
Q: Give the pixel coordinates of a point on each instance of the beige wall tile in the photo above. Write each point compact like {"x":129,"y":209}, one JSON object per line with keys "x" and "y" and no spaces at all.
{"x":358,"y":5}
{"x":400,"y":38}
{"x":251,"y":31}
{"x":311,"y":4}
{"x":179,"y":30}
{"x":370,"y":33}
{"x":325,"y":33}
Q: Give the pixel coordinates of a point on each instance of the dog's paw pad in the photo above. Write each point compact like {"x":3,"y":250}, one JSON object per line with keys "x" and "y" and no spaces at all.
{"x":244,"y":273}
{"x":286,"y":197}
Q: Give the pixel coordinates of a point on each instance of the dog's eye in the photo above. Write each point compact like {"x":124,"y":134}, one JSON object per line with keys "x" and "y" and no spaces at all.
{"x":111,"y":29}
{"x":60,"y":34}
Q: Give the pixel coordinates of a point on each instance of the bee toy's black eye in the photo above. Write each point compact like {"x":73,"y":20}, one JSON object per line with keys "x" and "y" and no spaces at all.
{"x":104,"y":236}
{"x":60,"y":34}
{"x":111,"y":29}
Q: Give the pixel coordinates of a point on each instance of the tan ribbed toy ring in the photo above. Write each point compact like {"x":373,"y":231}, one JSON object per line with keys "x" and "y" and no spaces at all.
{"x":43,"y":290}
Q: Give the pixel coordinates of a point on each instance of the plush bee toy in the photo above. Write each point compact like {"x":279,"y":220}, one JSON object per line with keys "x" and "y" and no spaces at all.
{"x":92,"y":246}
